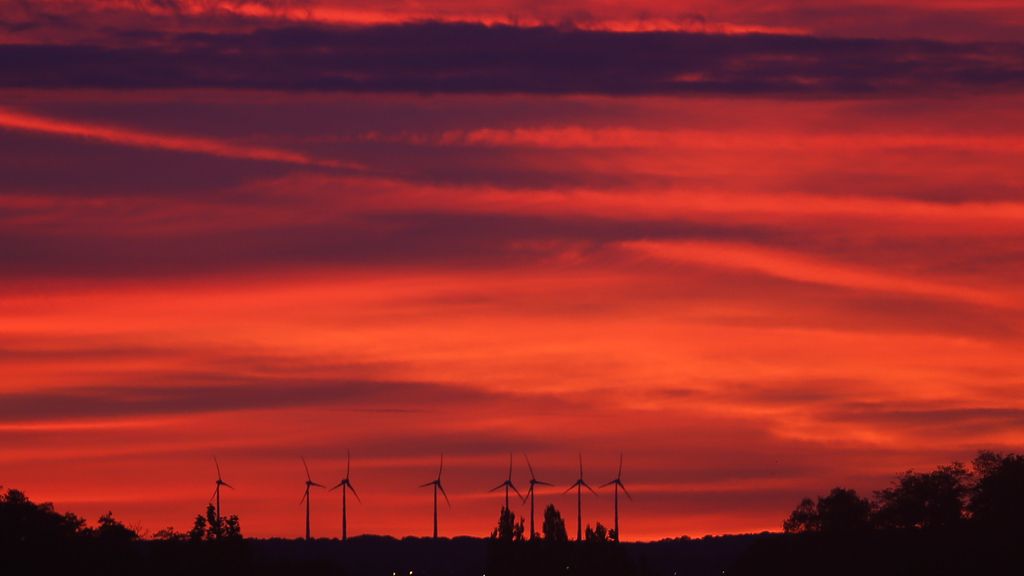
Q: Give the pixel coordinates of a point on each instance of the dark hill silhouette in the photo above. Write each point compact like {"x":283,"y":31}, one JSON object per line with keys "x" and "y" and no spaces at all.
{"x":950,"y":521}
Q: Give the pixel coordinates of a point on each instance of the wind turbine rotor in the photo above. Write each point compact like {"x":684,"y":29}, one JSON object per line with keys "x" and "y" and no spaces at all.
{"x":352,"y":488}
{"x":443,"y":493}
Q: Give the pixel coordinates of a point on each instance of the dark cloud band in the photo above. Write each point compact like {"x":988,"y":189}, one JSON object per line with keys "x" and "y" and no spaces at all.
{"x":471,"y":58}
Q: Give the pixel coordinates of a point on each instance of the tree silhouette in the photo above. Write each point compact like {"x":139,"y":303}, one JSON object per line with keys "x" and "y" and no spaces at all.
{"x":997,"y":497}
{"x":554,"y":525}
{"x":27,"y":524}
{"x":842,"y":511}
{"x":924,"y":500}
{"x":211,"y":528}
{"x":111,"y":530}
{"x":508,"y":530}
{"x":803,"y":518}
{"x":169,"y":534}
{"x":599,"y":534}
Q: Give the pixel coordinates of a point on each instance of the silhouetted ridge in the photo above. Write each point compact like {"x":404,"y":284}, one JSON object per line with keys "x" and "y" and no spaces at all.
{"x":954,"y":520}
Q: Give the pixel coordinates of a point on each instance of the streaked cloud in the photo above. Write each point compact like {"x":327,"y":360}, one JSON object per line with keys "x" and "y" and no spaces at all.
{"x":794,"y":266}
{"x":15,"y":120}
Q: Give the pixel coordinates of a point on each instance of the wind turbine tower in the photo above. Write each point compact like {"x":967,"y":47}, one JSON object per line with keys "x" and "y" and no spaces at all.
{"x":216,"y":491}
{"x":305,"y":496}
{"x":579,"y":484}
{"x":345,"y":486}
{"x":436,"y":483}
{"x":617,"y":483}
{"x":533,"y":482}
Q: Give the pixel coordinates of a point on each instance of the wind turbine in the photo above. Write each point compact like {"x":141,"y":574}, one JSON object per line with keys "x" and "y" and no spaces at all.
{"x":345,"y":486}
{"x":617,"y":482}
{"x":579,"y":484}
{"x":305,"y":496}
{"x":533,"y":482}
{"x":436,"y":483}
{"x":216,"y":491}
{"x":508,"y":484}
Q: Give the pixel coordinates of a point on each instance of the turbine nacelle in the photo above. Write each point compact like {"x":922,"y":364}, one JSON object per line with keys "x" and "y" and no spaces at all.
{"x":220,"y":482}
{"x":533,"y":479}
{"x":580,"y":482}
{"x":309,"y":482}
{"x":345,"y":484}
{"x":437,"y":482}
{"x":507,"y":484}
{"x":617,"y":481}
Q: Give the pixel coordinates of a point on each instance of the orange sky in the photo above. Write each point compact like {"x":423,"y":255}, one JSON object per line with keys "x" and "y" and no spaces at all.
{"x":754,"y":297}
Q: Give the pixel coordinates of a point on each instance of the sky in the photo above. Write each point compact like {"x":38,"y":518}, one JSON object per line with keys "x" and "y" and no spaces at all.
{"x":760,"y":249}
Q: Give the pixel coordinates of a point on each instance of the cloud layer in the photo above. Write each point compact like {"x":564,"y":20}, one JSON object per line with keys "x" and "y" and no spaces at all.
{"x":439,"y":57}
{"x":758,"y":255}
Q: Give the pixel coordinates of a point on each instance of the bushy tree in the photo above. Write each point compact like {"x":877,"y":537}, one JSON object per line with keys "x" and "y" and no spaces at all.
{"x":924,"y":499}
{"x":842,"y":511}
{"x":803,"y":518}
{"x":25,"y":523}
{"x":997,"y":496}
{"x":597,"y":534}
{"x":169,"y":534}
{"x":554,"y":525}
{"x":111,"y":530}
{"x":508,"y":530}
{"x":210,"y":528}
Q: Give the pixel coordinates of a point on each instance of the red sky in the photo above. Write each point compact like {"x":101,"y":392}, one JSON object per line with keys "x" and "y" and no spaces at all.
{"x":754,"y":290}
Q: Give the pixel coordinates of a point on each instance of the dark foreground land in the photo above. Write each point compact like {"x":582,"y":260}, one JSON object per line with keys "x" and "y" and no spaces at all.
{"x":876,"y":553}
{"x":377,"y":555}
{"x":952,"y":521}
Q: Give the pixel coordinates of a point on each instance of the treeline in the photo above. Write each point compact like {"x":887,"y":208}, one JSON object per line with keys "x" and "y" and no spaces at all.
{"x":990,"y":495}
{"x":513,"y":552}
{"x":951,"y":520}
{"x":954,"y":520}
{"x":36,"y":539}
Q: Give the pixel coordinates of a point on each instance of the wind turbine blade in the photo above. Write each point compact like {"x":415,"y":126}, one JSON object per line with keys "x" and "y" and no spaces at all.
{"x":607,"y":484}
{"x":510,"y":466}
{"x":214,"y":495}
{"x":228,"y":485}
{"x":304,"y":495}
{"x":354,"y":493}
{"x":336,"y":486}
{"x":443,"y":493}
{"x":217,"y":464}
{"x":569,"y":489}
{"x":498,"y":487}
{"x":348,"y":466}
{"x":539,"y":483}
{"x":306,"y":466}
{"x":513,"y":487}
{"x":431,"y":483}
{"x":587,"y":486}
{"x":581,"y":465}
{"x":441,"y":467}
{"x":620,"y":466}
{"x":624,"y":491}
{"x":317,"y":484}
{"x":528,"y":465}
